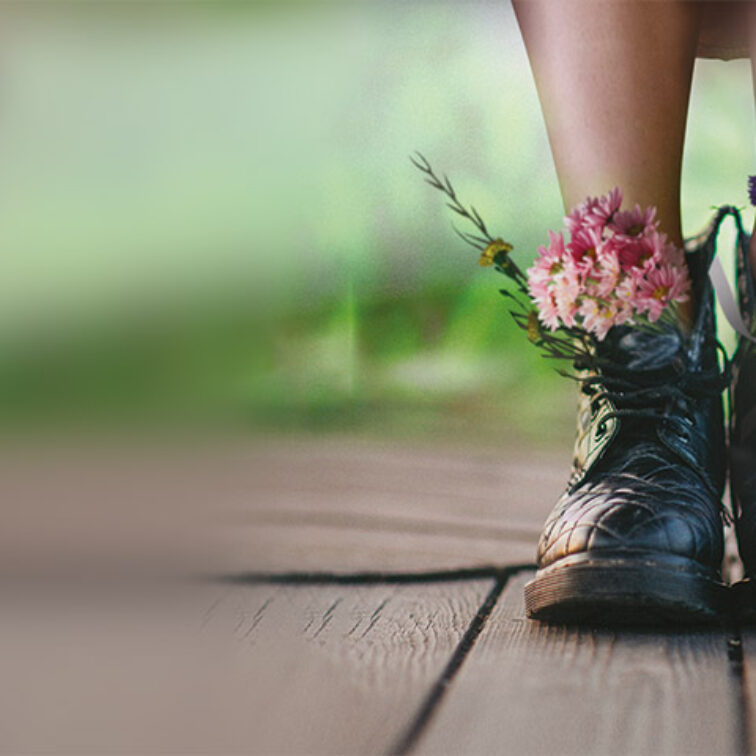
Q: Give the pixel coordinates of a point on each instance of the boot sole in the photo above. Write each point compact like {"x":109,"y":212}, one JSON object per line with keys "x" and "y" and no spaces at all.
{"x":626,"y":590}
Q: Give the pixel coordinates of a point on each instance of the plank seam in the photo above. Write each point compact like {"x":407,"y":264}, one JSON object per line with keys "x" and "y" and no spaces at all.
{"x":500,"y":574}
{"x":742,"y":704}
{"x":407,"y":742}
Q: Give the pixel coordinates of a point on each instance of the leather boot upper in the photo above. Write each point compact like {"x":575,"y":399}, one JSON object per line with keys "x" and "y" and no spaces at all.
{"x":649,"y":465}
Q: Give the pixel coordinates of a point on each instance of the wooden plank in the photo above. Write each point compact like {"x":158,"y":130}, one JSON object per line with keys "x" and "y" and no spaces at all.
{"x":306,"y":547}
{"x":298,"y":506}
{"x":268,"y":669}
{"x":531,"y":688}
{"x":744,"y":654}
{"x":367,"y":658}
{"x":369,"y":507}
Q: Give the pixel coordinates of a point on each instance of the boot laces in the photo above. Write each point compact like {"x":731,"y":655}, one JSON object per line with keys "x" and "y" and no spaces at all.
{"x":657,"y":396}
{"x":667,"y":397}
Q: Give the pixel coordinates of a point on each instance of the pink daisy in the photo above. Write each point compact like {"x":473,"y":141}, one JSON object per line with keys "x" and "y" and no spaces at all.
{"x":549,"y":263}
{"x":597,"y":317}
{"x":627,"y":290}
{"x":579,"y":217}
{"x":625,"y":312}
{"x":634,"y":223}
{"x":639,"y":253}
{"x":615,"y":267}
{"x":606,"y":272}
{"x":567,"y":287}
{"x":584,"y":248}
{"x":670,"y":254}
{"x":661,"y":286}
{"x":548,"y":313}
{"x":603,"y":212}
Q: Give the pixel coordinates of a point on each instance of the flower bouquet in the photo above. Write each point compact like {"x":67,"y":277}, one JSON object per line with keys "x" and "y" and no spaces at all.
{"x":609,"y":266}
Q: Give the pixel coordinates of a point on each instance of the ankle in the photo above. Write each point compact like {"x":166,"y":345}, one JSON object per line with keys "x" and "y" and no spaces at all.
{"x":685,"y":313}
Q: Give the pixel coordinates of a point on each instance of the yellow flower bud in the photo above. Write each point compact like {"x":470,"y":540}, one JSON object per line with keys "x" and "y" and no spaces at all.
{"x":497,"y":245}
{"x":534,"y":327}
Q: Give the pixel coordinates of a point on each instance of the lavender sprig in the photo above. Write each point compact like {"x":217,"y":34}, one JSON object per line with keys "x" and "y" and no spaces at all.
{"x":572,"y":344}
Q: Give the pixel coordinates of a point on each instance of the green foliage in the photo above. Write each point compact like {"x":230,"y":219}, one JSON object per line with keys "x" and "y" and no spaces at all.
{"x":223,"y":227}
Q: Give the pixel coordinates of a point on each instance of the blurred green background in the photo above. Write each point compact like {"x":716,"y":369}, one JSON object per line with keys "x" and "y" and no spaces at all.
{"x":209,"y":217}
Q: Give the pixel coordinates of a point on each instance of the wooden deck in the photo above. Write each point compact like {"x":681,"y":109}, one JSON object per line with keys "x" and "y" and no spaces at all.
{"x":362,"y":599}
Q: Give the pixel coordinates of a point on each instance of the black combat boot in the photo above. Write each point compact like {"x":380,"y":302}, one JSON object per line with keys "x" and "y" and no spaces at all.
{"x":638,"y":535}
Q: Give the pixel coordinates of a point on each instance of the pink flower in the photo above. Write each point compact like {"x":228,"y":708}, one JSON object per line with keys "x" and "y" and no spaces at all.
{"x":555,"y":250}
{"x":548,"y":313}
{"x":648,"y":251}
{"x":539,"y":281}
{"x":661,"y":286}
{"x":627,"y":290}
{"x":606,"y":272}
{"x":550,"y":258}
{"x":670,"y":254}
{"x":625,"y":312}
{"x":634,"y":223}
{"x":603,"y":212}
{"x":549,"y":262}
{"x":580,"y":216}
{"x":567,"y":287}
{"x":637,"y":253}
{"x":615,"y":268}
{"x":597,"y":317}
{"x":584,"y":246}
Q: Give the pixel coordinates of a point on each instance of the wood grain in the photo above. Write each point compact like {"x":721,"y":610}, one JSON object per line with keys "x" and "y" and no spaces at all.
{"x":343,"y":669}
{"x":382,"y":508}
{"x":530,"y":688}
{"x":296,"y":506}
{"x":266,"y":669}
{"x":744,"y":653}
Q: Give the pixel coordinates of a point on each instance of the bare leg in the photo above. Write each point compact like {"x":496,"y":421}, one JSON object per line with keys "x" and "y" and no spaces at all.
{"x":614,"y":82}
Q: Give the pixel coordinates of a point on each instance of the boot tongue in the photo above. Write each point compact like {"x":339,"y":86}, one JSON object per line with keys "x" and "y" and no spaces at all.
{"x":640,"y":350}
